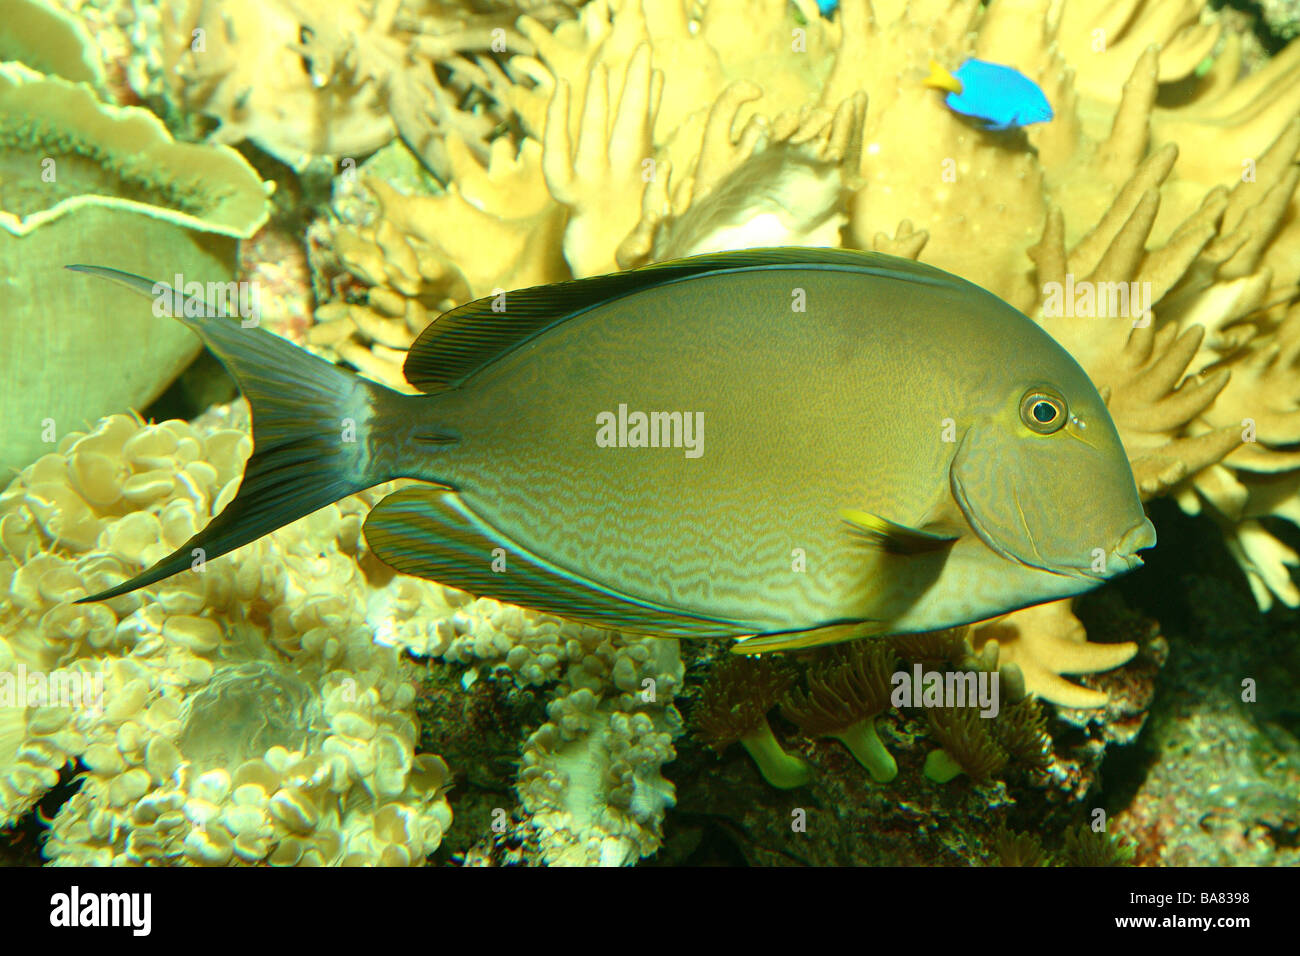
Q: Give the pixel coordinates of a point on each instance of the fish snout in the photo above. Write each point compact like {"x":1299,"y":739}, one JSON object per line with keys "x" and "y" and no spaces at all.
{"x":1137,"y":538}
{"x":1123,"y":556}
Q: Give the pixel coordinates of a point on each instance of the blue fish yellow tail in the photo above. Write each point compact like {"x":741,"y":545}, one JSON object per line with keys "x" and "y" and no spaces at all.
{"x":941,"y":79}
{"x":320,"y":433}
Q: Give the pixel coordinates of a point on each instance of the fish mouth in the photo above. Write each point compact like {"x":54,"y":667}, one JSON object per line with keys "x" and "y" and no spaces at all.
{"x":1124,"y":557}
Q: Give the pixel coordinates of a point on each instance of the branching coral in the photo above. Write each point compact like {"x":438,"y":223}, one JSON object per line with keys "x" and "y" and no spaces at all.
{"x":733,"y":705}
{"x":1046,"y":642}
{"x":303,"y":80}
{"x":847,"y":690}
{"x":410,"y":255}
{"x":595,"y":175}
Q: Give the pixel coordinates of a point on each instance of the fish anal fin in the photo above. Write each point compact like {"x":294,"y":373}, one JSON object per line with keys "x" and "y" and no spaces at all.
{"x":803,"y":640}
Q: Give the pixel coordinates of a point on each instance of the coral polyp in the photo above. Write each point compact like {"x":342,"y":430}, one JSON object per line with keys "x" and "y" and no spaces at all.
{"x":847,"y":690}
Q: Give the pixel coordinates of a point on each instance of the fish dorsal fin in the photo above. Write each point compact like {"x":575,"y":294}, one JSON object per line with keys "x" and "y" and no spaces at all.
{"x":892,"y":537}
{"x":472,"y":336}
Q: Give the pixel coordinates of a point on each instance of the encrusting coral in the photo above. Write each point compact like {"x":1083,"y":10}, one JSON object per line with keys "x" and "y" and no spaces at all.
{"x":1151,"y":227}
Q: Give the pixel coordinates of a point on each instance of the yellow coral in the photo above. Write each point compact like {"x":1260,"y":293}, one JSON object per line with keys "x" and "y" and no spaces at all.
{"x":341,"y":79}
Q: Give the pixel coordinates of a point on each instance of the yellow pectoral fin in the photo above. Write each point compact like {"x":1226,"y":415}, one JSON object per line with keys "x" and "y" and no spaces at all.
{"x":802,"y":640}
{"x":941,"y":79}
{"x":893,"y":537}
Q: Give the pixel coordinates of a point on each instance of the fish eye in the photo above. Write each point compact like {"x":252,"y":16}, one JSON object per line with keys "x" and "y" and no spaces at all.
{"x":1043,"y":410}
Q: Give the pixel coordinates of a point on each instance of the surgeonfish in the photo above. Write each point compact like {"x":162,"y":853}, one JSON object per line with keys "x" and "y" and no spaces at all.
{"x":997,"y":97}
{"x":788,"y":446}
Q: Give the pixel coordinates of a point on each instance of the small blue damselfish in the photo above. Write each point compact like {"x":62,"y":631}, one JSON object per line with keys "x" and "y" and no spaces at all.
{"x":997,"y":97}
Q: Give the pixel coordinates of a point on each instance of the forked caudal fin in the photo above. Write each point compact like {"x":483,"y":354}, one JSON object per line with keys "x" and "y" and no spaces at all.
{"x":320,"y":433}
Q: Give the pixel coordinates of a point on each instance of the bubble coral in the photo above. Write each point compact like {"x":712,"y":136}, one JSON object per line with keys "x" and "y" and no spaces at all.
{"x":248,"y":715}
{"x":288,"y":656}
